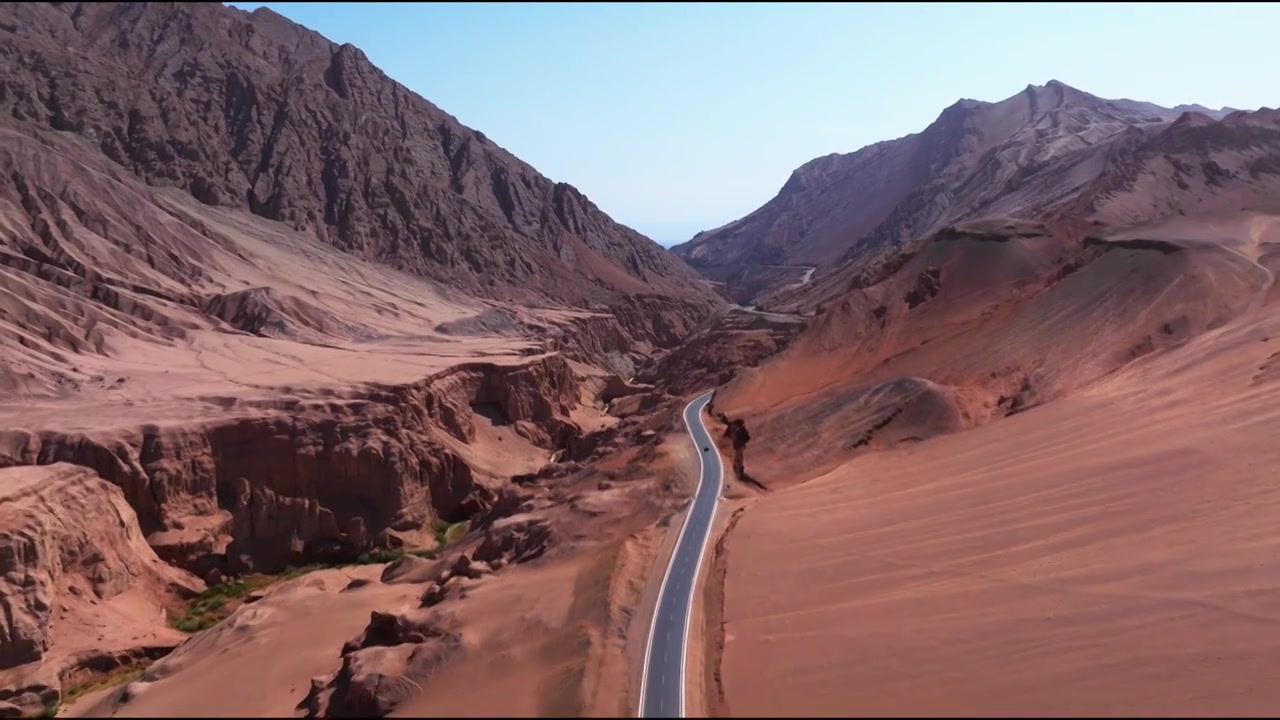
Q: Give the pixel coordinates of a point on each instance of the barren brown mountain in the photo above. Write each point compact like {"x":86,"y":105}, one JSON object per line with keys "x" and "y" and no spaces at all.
{"x":985,"y":321}
{"x":1050,"y":500}
{"x":1148,"y":236}
{"x":315,"y":402}
{"x":1050,"y":151}
{"x":250,"y":110}
{"x":268,"y":321}
{"x":1021,"y":464}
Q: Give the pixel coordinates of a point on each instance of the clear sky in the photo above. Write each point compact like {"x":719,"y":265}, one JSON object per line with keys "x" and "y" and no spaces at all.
{"x":679,"y":117}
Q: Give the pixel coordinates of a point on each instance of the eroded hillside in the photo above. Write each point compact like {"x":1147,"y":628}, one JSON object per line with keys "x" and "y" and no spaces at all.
{"x":269,"y":321}
{"x":252,"y":111}
{"x":1047,"y":154}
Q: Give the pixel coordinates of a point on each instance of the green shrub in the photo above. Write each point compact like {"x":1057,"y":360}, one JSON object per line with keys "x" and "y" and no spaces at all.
{"x":217,"y":602}
{"x":448,"y":533}
{"x":456,"y":532}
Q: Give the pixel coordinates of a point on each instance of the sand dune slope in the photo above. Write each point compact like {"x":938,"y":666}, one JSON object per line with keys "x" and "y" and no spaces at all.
{"x":1111,"y":552}
{"x":981,"y":324}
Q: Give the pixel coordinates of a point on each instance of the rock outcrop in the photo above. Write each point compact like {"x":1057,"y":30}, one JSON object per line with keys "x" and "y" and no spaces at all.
{"x":323,"y":482}
{"x":383,"y":666}
{"x":70,"y":549}
{"x":735,"y":431}
{"x":411,"y":569}
{"x":508,"y":540}
{"x":712,"y":356}
{"x":513,"y":540}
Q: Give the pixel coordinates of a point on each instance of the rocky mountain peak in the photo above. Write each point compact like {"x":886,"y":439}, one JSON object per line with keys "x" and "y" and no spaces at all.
{"x":250,"y":110}
{"x":1023,"y":155}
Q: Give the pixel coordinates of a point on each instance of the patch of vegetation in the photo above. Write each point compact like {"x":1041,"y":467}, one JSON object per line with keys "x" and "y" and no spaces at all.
{"x":100,"y":681}
{"x":218,"y":602}
{"x":378,"y":557}
{"x":119,"y":676}
{"x":448,"y":533}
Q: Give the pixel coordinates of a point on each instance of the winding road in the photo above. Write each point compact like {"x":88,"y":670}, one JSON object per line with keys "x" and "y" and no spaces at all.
{"x":808,"y":273}
{"x":662,"y":681}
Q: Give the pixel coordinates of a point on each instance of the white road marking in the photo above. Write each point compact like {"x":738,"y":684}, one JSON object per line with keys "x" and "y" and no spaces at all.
{"x":685,"y":591}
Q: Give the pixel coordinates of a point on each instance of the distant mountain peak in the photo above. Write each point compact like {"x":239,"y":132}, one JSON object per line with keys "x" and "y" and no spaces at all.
{"x":966,"y":104}
{"x":1057,"y":93}
{"x":1193,"y":117}
{"x":1054,"y":85}
{"x":1043,"y":150}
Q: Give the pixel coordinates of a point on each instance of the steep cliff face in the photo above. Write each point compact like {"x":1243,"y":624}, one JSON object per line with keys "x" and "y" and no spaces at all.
{"x":250,"y":110}
{"x":712,"y":356}
{"x":326,"y":480}
{"x":76,"y":577}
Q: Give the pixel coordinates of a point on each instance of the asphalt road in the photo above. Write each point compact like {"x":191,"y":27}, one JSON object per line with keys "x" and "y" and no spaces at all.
{"x":662,"y":684}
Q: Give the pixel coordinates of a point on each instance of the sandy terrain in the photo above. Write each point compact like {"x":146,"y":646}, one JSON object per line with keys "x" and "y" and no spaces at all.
{"x":309,"y":615}
{"x":519,"y":635}
{"x":552,"y":636}
{"x":262,"y":308}
{"x":272,"y":315}
{"x":247,"y":386}
{"x":1107,"y":552}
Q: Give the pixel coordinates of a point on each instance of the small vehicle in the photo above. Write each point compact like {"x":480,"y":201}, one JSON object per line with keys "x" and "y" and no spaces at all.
{"x":706,"y":449}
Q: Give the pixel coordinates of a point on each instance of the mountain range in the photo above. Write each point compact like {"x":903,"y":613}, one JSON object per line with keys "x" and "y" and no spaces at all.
{"x":254,"y":112}
{"x":1050,"y":151}
{"x":315,"y":401}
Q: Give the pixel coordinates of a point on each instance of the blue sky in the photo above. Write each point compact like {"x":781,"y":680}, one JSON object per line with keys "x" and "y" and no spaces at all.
{"x":678,"y":117}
